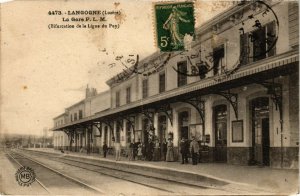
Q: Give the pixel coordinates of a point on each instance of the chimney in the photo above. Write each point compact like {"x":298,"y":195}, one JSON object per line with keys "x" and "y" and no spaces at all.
{"x":87,"y":91}
{"x":94,"y":91}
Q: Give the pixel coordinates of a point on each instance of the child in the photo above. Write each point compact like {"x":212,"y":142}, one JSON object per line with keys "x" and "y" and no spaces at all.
{"x":140,"y":154}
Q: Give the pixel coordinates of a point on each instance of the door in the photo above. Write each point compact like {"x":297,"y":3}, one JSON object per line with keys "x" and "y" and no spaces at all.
{"x":266,"y":141}
{"x":260,"y":131}
{"x":162,"y":125}
{"x":220,"y":119}
{"x":184,"y":125}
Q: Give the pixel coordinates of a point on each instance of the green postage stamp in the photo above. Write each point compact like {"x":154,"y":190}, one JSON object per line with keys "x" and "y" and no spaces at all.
{"x":174,"y":23}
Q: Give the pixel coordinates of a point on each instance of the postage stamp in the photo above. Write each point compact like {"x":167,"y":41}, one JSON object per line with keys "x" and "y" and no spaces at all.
{"x":175,"y":23}
{"x":25,"y":176}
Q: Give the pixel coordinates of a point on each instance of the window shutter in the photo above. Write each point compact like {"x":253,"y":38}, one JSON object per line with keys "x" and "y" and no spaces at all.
{"x":270,"y":39}
{"x":244,"y":49}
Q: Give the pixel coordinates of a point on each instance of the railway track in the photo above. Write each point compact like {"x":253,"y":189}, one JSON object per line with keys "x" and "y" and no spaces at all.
{"x":51,"y":179}
{"x":140,"y":179}
{"x":121,"y":175}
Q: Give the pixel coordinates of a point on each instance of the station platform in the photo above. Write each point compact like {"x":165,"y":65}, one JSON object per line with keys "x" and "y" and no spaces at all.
{"x":260,"y":180}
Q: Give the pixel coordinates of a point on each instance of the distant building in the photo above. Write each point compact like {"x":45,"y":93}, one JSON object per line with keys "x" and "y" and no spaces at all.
{"x":93,"y":103}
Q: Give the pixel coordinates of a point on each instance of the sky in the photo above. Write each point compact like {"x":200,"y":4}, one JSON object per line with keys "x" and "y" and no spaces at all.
{"x":44,"y":70}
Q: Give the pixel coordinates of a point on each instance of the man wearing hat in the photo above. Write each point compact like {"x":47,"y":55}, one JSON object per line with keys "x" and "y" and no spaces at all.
{"x":194,"y":148}
{"x":184,"y":150}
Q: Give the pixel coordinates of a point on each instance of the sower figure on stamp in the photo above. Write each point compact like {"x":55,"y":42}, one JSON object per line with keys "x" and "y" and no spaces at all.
{"x":194,"y":148}
{"x":184,"y":149}
{"x":172,"y":24}
{"x":104,"y":148}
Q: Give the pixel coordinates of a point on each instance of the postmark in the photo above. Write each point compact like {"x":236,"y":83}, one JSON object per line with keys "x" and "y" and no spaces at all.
{"x":25,"y":176}
{"x":174,"y":23}
{"x":258,"y":29}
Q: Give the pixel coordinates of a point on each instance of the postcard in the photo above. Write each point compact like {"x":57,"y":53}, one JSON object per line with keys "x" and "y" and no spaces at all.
{"x":127,"y":97}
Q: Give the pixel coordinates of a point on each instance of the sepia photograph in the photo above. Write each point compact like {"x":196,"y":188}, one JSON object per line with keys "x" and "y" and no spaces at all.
{"x":149,"y":97}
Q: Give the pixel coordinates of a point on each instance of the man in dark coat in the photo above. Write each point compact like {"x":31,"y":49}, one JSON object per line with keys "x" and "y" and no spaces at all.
{"x":135,"y":148}
{"x":164,"y":148}
{"x":105,"y":148}
{"x":184,"y":149}
{"x":194,"y":148}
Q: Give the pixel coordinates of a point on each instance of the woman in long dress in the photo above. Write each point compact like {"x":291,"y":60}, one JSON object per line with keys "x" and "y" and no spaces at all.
{"x":170,"y":151}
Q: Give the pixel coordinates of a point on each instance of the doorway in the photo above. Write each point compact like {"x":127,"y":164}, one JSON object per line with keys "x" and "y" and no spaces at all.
{"x":183,"y":125}
{"x":220,"y":119}
{"x":260,"y":151}
{"x":162,"y":126}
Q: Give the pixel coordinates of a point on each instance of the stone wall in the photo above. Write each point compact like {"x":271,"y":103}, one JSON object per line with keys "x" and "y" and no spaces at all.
{"x":290,"y":157}
{"x":238,"y":155}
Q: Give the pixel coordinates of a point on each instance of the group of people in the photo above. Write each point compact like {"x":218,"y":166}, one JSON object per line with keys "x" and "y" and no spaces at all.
{"x":157,"y":151}
{"x":191,"y":148}
{"x":151,"y":151}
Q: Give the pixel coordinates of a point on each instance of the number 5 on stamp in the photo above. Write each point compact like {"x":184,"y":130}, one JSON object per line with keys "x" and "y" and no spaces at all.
{"x":174,"y":22}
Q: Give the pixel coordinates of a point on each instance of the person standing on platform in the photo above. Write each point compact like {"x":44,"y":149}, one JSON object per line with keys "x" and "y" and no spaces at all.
{"x":139,"y":152}
{"x":184,"y":149}
{"x":130,"y":151}
{"x":104,"y":148}
{"x":150,"y":150}
{"x":118,"y":151}
{"x":194,"y":148}
{"x":156,"y":153}
{"x":170,"y":151}
{"x":144,"y":151}
{"x":164,"y":149}
{"x":135,"y":148}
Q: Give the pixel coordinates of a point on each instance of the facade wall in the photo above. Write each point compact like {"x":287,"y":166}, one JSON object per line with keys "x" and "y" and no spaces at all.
{"x":257,"y":110}
{"x":60,"y":120}
{"x":97,"y":103}
{"x":60,"y":140}
{"x":74,"y":110}
{"x":227,"y":35}
{"x":121,"y":87}
{"x":293,"y":24}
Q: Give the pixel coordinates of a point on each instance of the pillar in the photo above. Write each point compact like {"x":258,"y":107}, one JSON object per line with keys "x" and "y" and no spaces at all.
{"x":155,"y":123}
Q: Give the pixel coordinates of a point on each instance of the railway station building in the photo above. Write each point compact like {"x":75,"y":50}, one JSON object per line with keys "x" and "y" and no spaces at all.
{"x":235,"y":89}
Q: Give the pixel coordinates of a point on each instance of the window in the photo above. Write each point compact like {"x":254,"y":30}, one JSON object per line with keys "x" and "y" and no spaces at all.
{"x":181,"y":75}
{"x":80,"y":114}
{"x":145,"y":88}
{"x":162,"y":82}
{"x":128,"y":94}
{"x":258,"y":44}
{"x":219,"y":60}
{"x":71,"y":118}
{"x":75,"y":116}
{"x":118,"y":99}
